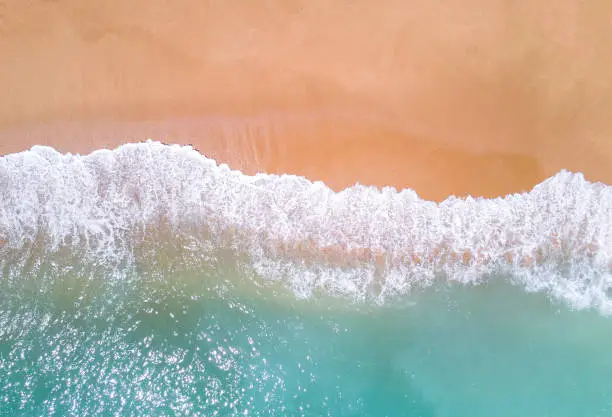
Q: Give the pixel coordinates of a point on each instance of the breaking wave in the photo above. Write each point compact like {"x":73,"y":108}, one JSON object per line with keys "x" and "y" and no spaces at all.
{"x":128,"y":205}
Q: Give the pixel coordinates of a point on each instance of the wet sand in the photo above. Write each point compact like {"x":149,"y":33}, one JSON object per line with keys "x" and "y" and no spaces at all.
{"x":475,"y":97}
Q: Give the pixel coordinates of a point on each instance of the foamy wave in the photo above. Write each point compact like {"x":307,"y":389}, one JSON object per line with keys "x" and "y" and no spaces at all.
{"x":361,"y":242}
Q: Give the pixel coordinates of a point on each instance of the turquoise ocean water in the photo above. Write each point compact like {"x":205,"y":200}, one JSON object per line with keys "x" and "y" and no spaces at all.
{"x":150,"y":281}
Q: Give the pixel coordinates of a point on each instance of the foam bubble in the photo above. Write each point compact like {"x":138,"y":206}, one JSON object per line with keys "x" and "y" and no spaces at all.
{"x":362,"y":242}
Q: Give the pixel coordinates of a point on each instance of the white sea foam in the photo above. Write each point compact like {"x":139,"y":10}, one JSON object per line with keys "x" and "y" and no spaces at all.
{"x":361,"y":242}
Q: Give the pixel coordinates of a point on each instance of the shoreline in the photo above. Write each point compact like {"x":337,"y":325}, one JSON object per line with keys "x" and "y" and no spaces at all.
{"x":480,"y":98}
{"x":316,"y":147}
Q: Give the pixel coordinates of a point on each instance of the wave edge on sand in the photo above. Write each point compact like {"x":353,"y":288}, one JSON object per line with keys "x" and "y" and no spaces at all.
{"x":362,"y":242}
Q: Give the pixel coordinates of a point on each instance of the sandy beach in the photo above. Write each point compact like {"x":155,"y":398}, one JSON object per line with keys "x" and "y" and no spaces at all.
{"x":477,"y":97}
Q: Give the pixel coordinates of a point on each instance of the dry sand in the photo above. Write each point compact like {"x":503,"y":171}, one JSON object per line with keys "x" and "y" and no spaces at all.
{"x":484,"y":97}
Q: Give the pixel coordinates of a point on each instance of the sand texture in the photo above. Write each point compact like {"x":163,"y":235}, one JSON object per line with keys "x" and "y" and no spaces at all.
{"x":447,"y":97}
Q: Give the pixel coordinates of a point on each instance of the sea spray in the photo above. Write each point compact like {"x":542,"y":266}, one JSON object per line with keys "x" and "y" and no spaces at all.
{"x":118,"y":207}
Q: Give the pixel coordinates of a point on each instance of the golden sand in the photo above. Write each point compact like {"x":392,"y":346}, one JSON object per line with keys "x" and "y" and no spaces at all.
{"x":484,"y":97}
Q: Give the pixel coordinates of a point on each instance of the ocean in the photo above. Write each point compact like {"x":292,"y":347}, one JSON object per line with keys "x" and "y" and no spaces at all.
{"x":149,"y":280}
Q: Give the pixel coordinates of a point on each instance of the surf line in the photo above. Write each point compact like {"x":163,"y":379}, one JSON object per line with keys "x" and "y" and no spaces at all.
{"x":346,"y":255}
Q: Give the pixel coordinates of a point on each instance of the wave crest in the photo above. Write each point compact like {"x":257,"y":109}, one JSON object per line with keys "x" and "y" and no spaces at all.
{"x":362,"y":242}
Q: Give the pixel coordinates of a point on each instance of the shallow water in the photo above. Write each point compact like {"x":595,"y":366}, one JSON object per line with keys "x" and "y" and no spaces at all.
{"x":150,"y":281}
{"x":213,"y":345}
